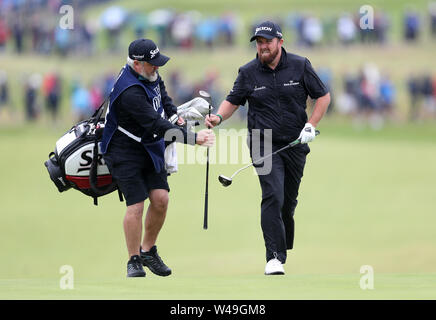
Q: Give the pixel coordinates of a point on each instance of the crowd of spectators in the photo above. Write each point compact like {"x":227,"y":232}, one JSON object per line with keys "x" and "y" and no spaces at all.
{"x":371,"y":95}
{"x":43,"y":94}
{"x":85,"y":99}
{"x":33,"y":25}
{"x":189,"y":29}
{"x":310,"y":31}
{"x":367,"y":94}
{"x":181,"y":90}
{"x":422,"y":94}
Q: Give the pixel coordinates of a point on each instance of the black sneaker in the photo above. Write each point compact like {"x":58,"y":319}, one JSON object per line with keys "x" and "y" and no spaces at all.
{"x":151,"y":260}
{"x":134,"y":267}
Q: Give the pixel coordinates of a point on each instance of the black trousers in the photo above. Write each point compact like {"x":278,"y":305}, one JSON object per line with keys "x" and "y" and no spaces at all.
{"x":279,"y":199}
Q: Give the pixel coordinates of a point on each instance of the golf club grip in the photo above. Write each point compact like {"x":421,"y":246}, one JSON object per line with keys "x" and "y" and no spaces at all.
{"x":205,"y":216}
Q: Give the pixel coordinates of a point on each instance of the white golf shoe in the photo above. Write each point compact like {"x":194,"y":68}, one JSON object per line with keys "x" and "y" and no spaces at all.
{"x":274,"y":266}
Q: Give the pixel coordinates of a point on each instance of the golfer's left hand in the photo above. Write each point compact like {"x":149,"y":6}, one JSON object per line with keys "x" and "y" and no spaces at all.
{"x":307,"y":134}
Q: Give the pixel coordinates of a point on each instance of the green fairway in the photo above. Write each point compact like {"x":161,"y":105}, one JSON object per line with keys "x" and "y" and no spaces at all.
{"x":366,"y":199}
{"x":314,"y":287}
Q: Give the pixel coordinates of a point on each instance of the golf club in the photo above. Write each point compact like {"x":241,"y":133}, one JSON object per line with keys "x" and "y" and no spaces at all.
{"x":207,"y":97}
{"x":226,"y":181}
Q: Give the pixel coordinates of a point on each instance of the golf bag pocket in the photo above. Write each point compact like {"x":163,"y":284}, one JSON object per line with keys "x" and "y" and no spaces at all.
{"x":56,"y":174}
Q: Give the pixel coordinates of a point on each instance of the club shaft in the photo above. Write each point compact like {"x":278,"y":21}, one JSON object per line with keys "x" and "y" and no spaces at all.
{"x":290,"y":145}
{"x":266,"y":157}
{"x":206,"y":194}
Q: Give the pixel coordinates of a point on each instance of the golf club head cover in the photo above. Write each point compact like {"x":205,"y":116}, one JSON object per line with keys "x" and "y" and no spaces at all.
{"x":198,"y":103}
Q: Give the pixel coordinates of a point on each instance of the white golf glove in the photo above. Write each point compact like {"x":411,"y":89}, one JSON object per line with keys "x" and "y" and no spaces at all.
{"x":307,"y":134}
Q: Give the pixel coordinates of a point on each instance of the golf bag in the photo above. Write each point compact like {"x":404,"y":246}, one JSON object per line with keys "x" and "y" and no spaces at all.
{"x":77,"y":162}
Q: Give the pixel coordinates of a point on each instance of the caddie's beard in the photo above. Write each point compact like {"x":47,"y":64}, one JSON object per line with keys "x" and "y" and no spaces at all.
{"x":150,"y":77}
{"x":269,"y":58}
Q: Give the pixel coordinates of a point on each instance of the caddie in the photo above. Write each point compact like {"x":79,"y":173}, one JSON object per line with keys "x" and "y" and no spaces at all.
{"x":133,"y":147}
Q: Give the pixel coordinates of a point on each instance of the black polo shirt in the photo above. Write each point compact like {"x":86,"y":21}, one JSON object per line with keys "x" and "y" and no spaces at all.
{"x":277,"y":98}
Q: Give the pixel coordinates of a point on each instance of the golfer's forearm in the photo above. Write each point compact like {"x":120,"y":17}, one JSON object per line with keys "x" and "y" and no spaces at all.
{"x":226,"y":109}
{"x":320,"y":109}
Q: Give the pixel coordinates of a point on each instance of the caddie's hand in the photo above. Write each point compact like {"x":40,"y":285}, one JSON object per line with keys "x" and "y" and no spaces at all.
{"x":307,"y":134}
{"x":205,"y":138}
{"x":212,"y":121}
{"x":180,"y":121}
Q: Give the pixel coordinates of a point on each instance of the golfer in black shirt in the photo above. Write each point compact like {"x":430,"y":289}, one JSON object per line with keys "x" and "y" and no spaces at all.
{"x":276,"y":85}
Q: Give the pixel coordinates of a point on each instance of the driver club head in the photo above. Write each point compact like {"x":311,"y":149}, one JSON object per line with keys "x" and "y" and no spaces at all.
{"x":225,"y":181}
{"x":206,"y":95}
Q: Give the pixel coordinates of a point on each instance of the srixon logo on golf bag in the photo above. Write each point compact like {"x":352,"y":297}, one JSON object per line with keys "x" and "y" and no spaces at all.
{"x":87,"y":156}
{"x":77,"y":161}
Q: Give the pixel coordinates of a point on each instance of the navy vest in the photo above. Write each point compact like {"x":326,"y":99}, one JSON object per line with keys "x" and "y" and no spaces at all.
{"x":155,"y":148}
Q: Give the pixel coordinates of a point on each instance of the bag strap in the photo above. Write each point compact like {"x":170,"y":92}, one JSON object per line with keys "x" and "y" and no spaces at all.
{"x":93,"y":174}
{"x":99,"y":112}
{"x":93,"y":171}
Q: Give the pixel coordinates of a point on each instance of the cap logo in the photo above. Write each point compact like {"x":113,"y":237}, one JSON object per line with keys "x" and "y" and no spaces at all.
{"x":137,"y":56}
{"x":263,"y":29}
{"x":154,"y":52}
{"x":279,"y":34}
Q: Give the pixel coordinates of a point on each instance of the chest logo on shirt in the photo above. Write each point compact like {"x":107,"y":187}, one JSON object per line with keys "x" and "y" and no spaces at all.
{"x":291,"y":83}
{"x":256,"y":88}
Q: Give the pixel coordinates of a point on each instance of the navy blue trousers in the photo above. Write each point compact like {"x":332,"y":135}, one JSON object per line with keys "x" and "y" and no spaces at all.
{"x":279,"y":199}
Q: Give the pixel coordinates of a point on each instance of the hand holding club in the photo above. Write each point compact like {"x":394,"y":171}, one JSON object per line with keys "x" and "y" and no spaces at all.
{"x":205,"y":138}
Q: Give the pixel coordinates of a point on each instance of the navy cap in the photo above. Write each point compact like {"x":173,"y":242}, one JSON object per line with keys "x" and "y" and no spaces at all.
{"x":267,"y":30}
{"x":147,"y":50}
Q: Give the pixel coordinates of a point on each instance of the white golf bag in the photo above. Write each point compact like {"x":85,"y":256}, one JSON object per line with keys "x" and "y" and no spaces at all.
{"x":77,"y":161}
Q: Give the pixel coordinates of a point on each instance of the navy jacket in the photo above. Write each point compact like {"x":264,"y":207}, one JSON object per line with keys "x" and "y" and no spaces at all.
{"x":141,"y":108}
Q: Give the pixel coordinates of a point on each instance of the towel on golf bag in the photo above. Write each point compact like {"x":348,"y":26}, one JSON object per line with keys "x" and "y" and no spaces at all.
{"x":171,"y":164}
{"x":191,"y":111}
